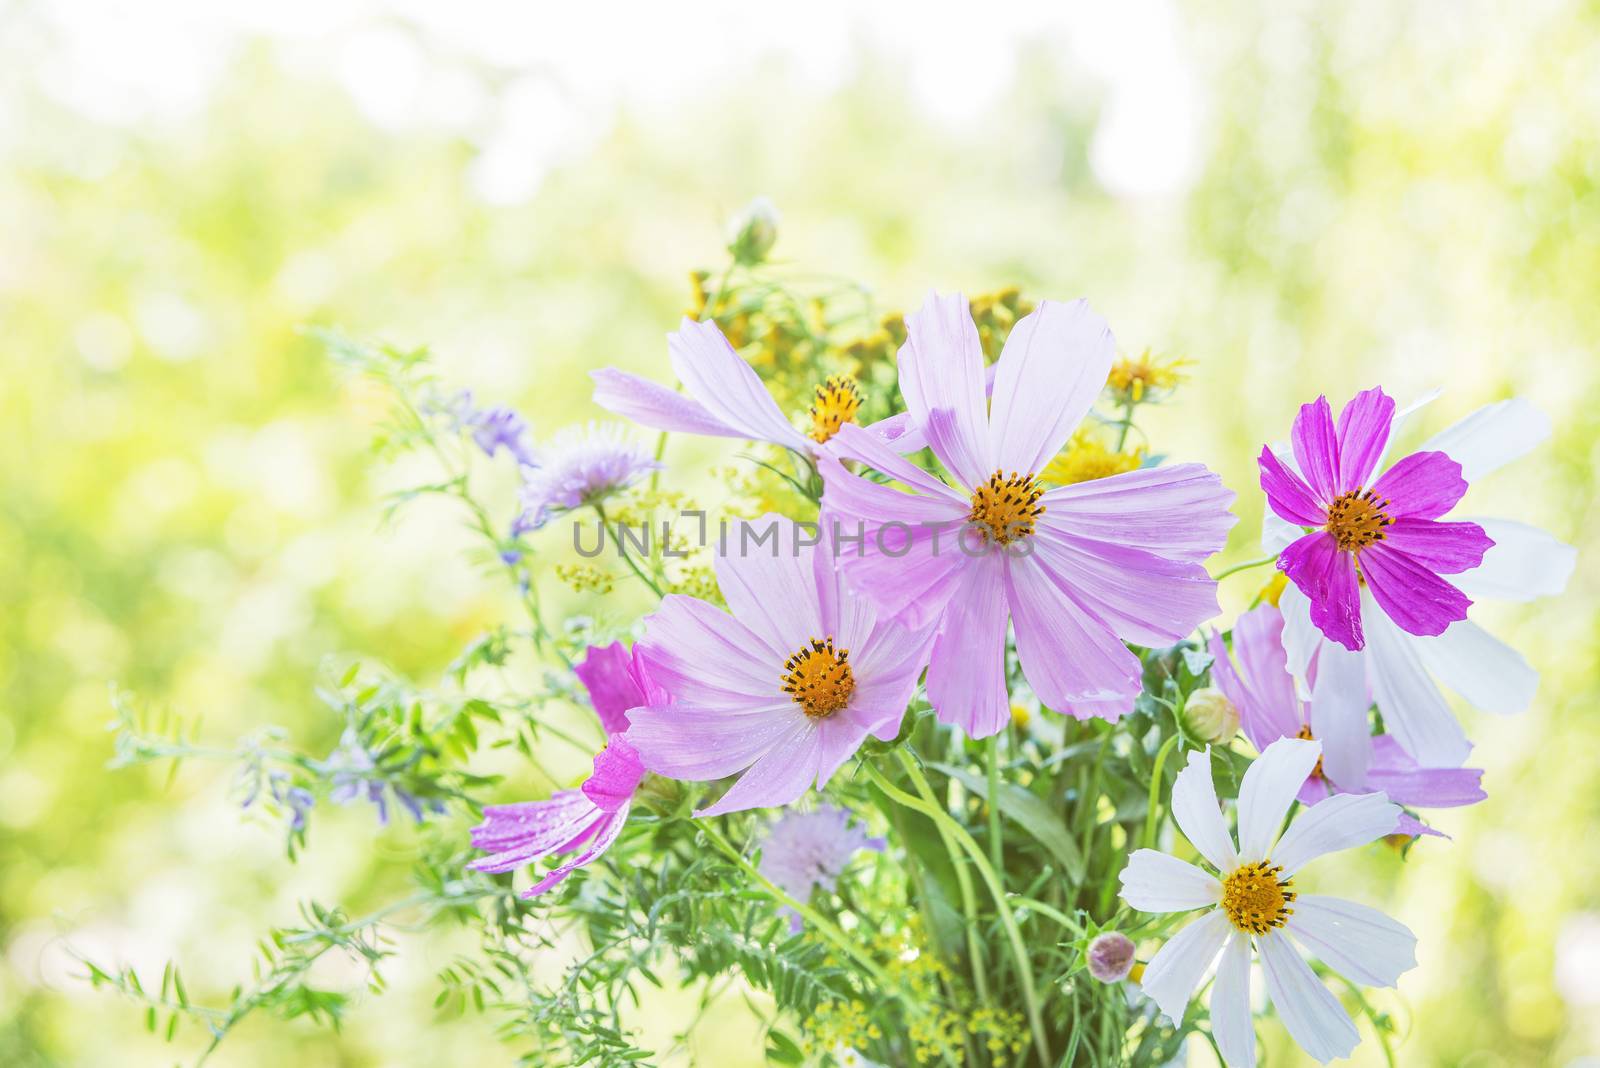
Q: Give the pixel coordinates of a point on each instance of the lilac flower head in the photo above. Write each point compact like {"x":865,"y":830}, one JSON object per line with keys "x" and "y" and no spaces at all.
{"x":804,"y":850}
{"x":1256,"y":679}
{"x":579,"y":466}
{"x":1076,"y":570}
{"x":1110,"y":956}
{"x":355,"y":776}
{"x":1381,"y":532}
{"x":586,"y":821}
{"x":502,"y":428}
{"x":785,"y":688}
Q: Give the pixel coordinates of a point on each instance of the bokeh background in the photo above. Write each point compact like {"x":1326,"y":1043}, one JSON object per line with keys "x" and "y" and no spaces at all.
{"x":1296,"y":196}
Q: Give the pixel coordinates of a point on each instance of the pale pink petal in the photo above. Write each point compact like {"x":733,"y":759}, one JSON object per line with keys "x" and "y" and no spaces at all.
{"x":771,"y":587}
{"x":1178,"y":511}
{"x":786,"y":771}
{"x":967,"y":673}
{"x":606,"y":832}
{"x":1360,"y":943}
{"x":1142,"y":597}
{"x":1398,"y":775}
{"x":900,"y":433}
{"x":1316,"y":448}
{"x":941,"y":370}
{"x":1364,"y":427}
{"x":1073,"y":660}
{"x":705,"y":657}
{"x":853,"y":443}
{"x":1054,"y":365}
{"x":1312,"y":1015}
{"x":729,"y":389}
{"x":653,"y":405}
{"x":699,"y":744}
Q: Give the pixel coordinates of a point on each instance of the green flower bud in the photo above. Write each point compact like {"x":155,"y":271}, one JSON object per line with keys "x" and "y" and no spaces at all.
{"x":755,"y":231}
{"x":1209,"y":716}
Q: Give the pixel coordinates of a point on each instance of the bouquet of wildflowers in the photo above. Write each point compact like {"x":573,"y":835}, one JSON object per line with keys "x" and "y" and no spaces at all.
{"x":931,"y":740}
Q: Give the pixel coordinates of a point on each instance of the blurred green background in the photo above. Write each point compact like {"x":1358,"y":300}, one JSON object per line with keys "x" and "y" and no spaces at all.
{"x":1298,"y":197}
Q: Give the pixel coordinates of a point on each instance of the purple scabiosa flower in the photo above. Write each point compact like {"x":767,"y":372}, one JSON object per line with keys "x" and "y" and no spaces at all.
{"x":723,"y":397}
{"x":585,"y":821}
{"x":579,"y":466}
{"x":786,"y":687}
{"x":1401,"y":669}
{"x":1251,"y":903}
{"x":1076,"y":570}
{"x":1382,"y":533}
{"x":804,"y":850}
{"x":1256,"y":679}
{"x":1110,"y":957}
{"x":502,"y":428}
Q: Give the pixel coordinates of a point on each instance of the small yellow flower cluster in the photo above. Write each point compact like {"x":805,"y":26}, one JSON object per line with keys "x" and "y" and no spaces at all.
{"x":840,"y":1023}
{"x":700,"y":581}
{"x":1086,"y":458}
{"x":1001,"y":1033}
{"x":878,"y":348}
{"x":584,"y":579}
{"x":995,"y":314}
{"x":1144,"y":379}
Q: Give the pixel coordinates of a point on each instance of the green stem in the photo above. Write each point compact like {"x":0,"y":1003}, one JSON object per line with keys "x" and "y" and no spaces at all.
{"x":928,"y":804}
{"x":1151,"y":817}
{"x":1127,"y":424}
{"x":1247,"y":565}
{"x":993,"y":803}
{"x":622,"y":550}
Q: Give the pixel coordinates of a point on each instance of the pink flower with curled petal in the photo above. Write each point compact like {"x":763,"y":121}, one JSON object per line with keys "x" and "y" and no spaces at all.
{"x":1074,"y":570}
{"x":1382,"y":532}
{"x":723,"y":397}
{"x":585,"y":821}
{"x":785,"y":688}
{"x":1256,"y":679}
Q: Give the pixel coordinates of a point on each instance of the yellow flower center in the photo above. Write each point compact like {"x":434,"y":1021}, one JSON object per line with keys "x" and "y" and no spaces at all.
{"x":1006,"y":508}
{"x":819,"y":678}
{"x":836,"y":402}
{"x":1255,"y":900}
{"x":1356,"y":519}
{"x":1304,"y":734}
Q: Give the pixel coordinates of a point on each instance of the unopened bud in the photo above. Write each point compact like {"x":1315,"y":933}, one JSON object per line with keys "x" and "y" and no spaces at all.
{"x":1110,"y":957}
{"x":755,"y":231}
{"x":1209,"y":716}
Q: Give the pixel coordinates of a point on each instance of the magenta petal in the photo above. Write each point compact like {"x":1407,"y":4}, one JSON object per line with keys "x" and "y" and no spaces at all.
{"x":1316,"y":448}
{"x":654,"y":405}
{"x":1364,"y":426}
{"x":1260,"y":688}
{"x":523,"y":831}
{"x":1444,"y":548}
{"x":1424,"y":485}
{"x":607,"y":672}
{"x":617,"y":773}
{"x":1071,"y":658}
{"x":1418,"y":600}
{"x":967,"y":673}
{"x":1287,"y":493}
{"x":606,"y":832}
{"x":1327,"y":576}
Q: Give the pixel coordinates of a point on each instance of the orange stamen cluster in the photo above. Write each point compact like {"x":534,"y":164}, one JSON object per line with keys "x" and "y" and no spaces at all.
{"x":1006,"y":508}
{"x":1304,"y":734}
{"x":1356,"y":519}
{"x":1255,"y":900}
{"x":819,"y":679}
{"x":836,"y":403}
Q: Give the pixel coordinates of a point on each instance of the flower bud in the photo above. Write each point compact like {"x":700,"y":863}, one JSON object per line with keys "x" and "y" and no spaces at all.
{"x":1209,"y":716}
{"x":1110,"y":957}
{"x":755,"y":231}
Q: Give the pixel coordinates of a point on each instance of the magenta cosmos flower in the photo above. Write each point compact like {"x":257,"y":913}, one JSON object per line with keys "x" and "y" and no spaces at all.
{"x":723,"y":397}
{"x":1257,"y":680}
{"x":788,"y":686}
{"x":585,"y":821}
{"x":1076,"y":570}
{"x":1382,"y":532}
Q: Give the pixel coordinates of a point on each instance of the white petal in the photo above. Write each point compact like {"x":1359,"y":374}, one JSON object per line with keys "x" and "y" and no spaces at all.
{"x":1484,"y":670}
{"x":1277,"y":532}
{"x":1414,"y":710}
{"x":1524,"y":563}
{"x":1231,"y":1025}
{"x":1403,"y":417}
{"x":1313,"y":1016}
{"x":1173,"y":973}
{"x":1301,"y":638}
{"x":1156,"y":882}
{"x":1268,"y":788}
{"x":1360,"y":943}
{"x":1339,"y":715}
{"x":1342,"y":821}
{"x":1491,"y":437}
{"x":1195,"y":807}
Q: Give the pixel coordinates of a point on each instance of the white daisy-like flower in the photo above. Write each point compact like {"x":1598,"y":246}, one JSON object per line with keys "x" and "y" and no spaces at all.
{"x":1252,"y":907}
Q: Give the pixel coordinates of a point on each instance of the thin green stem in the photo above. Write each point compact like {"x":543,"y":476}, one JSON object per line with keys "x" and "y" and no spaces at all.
{"x":1246,"y":566}
{"x":1152,"y":814}
{"x":1127,"y":424}
{"x":622,"y":550}
{"x":992,"y":802}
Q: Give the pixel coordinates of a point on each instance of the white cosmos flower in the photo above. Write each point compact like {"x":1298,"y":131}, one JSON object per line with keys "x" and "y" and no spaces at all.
{"x":1399,"y":670}
{"x":1251,"y":905}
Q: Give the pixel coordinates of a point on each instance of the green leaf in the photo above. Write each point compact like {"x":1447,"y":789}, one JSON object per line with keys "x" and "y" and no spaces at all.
{"x":1029,"y":812}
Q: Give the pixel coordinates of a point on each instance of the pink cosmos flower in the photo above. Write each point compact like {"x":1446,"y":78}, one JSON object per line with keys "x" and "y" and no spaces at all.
{"x":1403,"y":671}
{"x":723,"y":397}
{"x":1256,"y":679}
{"x":1384,"y":533}
{"x":787,"y":686}
{"x":1076,"y":570}
{"x":585,"y":821}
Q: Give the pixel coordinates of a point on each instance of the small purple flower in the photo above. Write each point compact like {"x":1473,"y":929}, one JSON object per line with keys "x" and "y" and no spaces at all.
{"x":354,"y":776}
{"x":585,"y":821}
{"x":1384,"y":533}
{"x":1257,"y":680}
{"x":579,"y":466}
{"x":502,"y":428}
{"x":1110,"y":957}
{"x":804,"y":850}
